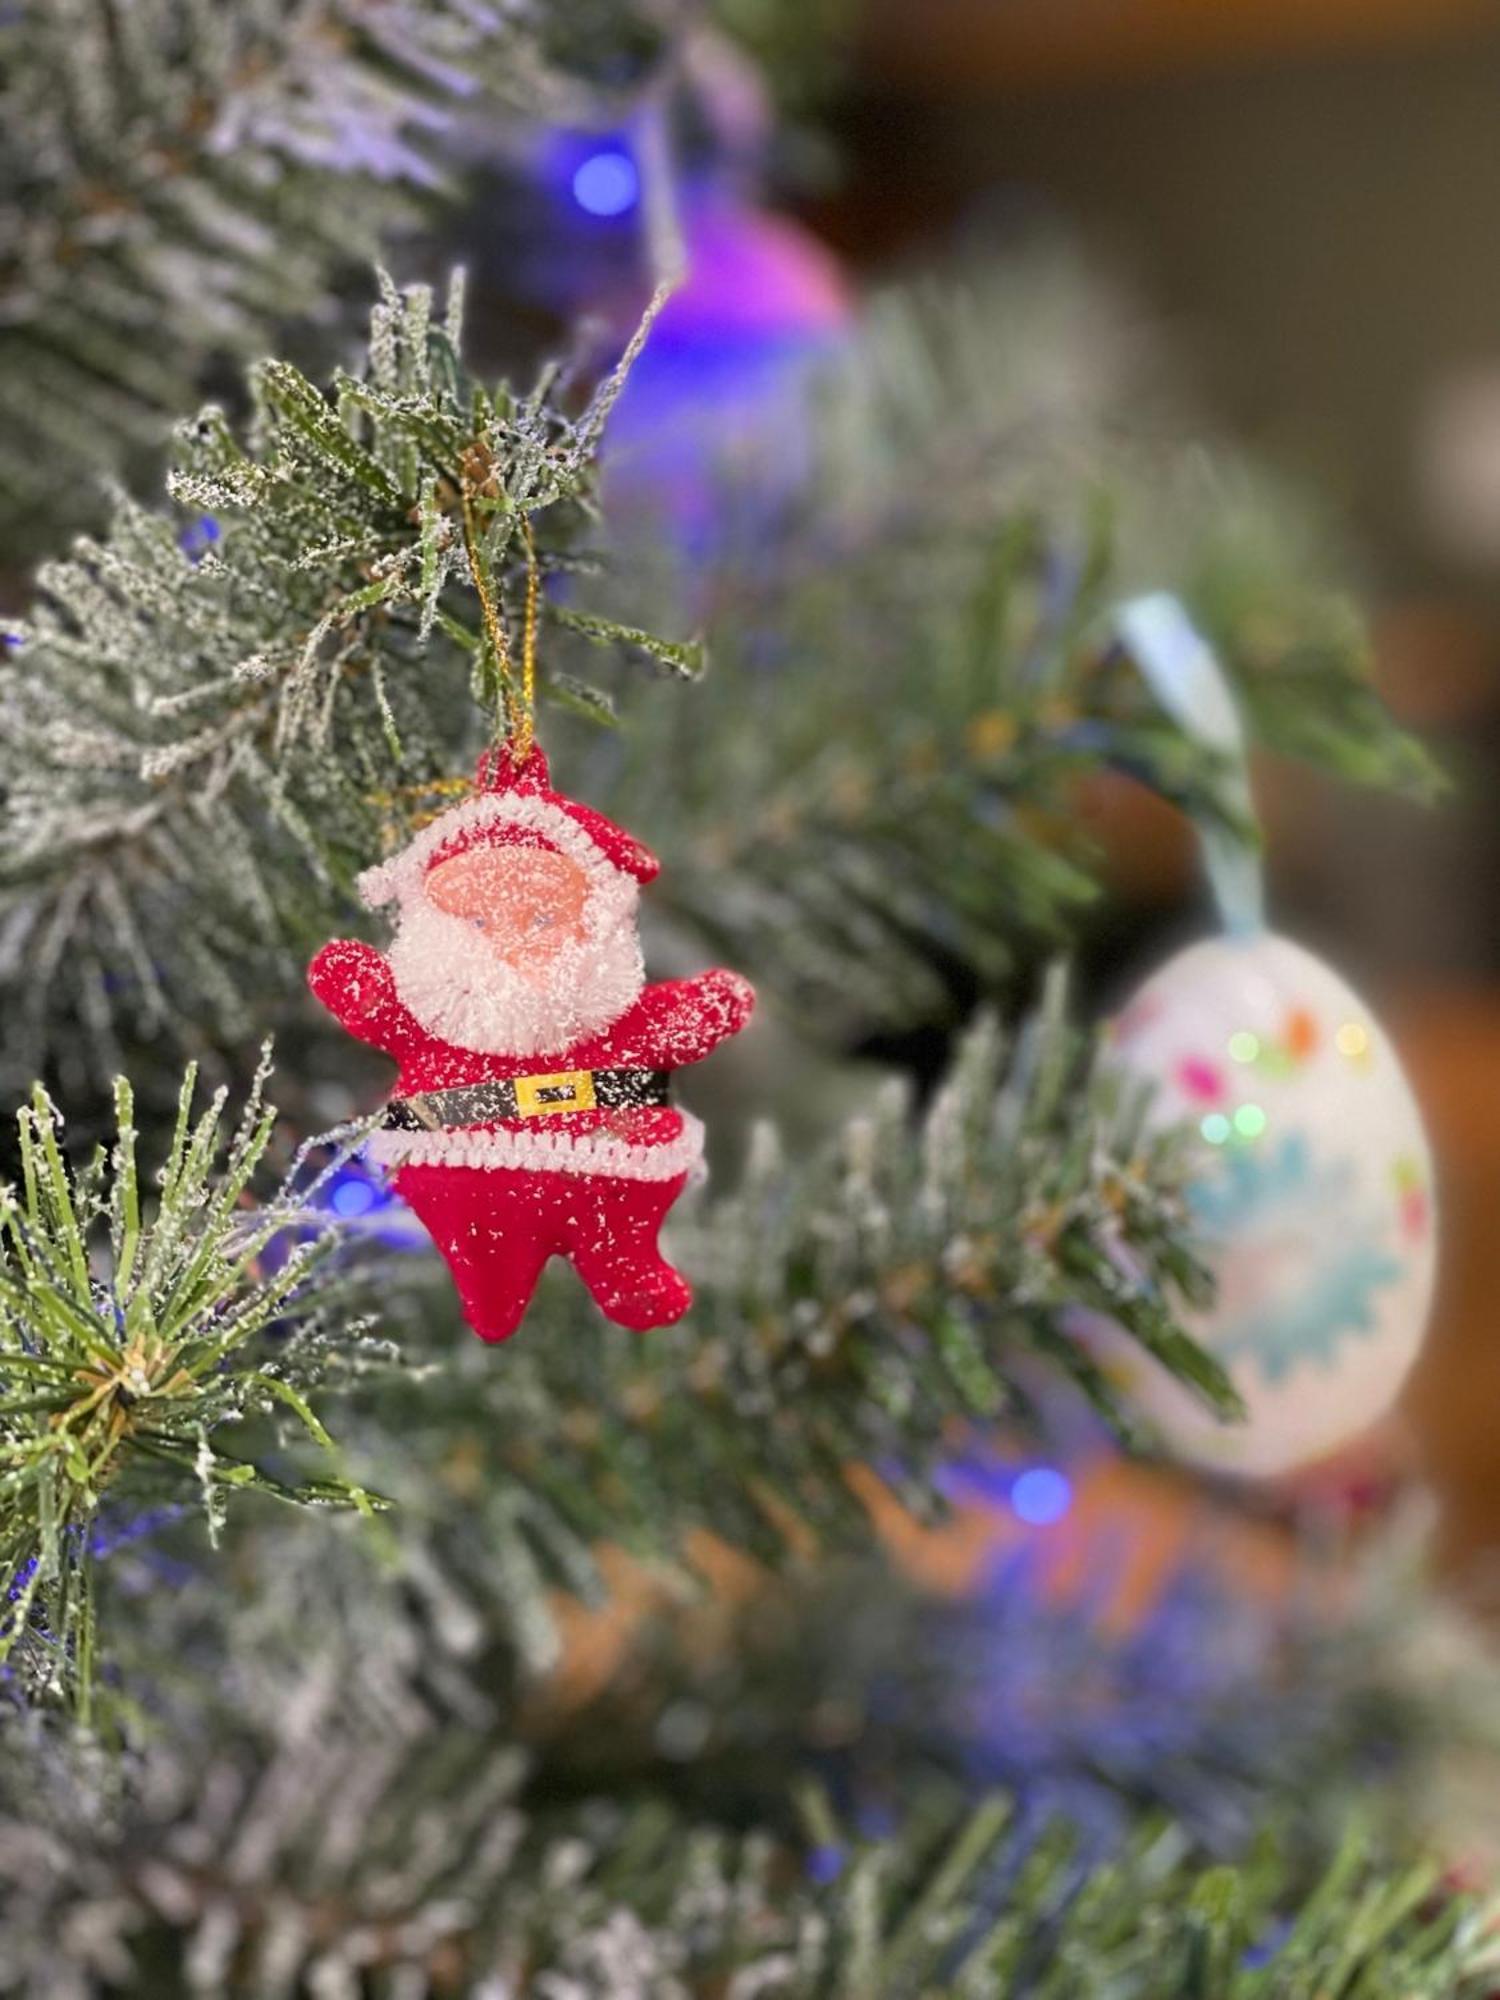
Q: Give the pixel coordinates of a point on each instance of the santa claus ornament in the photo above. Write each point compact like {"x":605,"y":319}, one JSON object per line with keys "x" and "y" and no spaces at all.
{"x":532,"y":1114}
{"x":1313,"y":1197}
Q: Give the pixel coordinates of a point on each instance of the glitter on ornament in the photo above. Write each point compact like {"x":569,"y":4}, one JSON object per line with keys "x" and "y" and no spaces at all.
{"x":1284,"y":1054}
{"x":532,"y":1114}
{"x":1301,"y":1033}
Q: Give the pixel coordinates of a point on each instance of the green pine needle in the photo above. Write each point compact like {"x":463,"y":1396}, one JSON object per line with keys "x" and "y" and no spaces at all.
{"x":133,"y":1347}
{"x":917,"y":1278}
{"x":203,"y":748}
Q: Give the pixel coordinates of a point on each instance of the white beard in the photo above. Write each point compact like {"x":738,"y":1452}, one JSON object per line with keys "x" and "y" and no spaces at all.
{"x":450,"y":979}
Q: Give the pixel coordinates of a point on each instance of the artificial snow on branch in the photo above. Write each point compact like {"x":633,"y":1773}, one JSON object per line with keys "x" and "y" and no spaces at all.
{"x":283,"y":1857}
{"x":882,"y":792}
{"x":772,"y":1786}
{"x":183,"y":183}
{"x":214,"y":717}
{"x":180,"y":182}
{"x":139,"y":1332}
{"x":857,"y":1311}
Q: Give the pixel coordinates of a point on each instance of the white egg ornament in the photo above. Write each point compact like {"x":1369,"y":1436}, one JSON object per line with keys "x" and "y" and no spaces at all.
{"x":1315,"y":1200}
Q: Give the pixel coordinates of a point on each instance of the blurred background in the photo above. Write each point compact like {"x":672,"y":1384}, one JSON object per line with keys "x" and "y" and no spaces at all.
{"x":1306,"y":193}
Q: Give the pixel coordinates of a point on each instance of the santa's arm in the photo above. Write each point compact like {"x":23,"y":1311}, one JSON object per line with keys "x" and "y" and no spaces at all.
{"x":354,"y":983}
{"x":683,"y":1020}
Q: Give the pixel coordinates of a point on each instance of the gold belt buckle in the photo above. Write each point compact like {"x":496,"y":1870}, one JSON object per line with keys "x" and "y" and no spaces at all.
{"x":545,"y":1096}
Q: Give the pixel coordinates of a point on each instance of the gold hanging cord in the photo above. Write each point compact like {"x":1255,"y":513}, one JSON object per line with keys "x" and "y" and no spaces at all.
{"x":516,"y":696}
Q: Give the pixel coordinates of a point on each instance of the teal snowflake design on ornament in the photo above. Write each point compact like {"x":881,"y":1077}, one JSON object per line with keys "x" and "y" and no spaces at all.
{"x":1301,"y":1266}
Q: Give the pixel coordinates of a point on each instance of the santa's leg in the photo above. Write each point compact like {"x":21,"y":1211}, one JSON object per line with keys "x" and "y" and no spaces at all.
{"x":495,"y":1236}
{"x":613,"y":1248}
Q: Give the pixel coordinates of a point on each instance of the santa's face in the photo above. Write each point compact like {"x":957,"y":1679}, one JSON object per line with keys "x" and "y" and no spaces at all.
{"x":527,"y":903}
{"x":517,"y":949}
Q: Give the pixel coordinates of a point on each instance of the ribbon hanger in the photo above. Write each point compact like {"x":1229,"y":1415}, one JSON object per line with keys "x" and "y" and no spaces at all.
{"x":1179,"y":666}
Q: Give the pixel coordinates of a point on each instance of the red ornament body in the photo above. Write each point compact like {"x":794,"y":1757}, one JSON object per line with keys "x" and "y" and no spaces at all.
{"x":530,"y":1117}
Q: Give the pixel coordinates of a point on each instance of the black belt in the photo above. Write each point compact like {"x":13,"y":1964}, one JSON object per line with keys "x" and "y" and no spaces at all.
{"x":526,"y":1097}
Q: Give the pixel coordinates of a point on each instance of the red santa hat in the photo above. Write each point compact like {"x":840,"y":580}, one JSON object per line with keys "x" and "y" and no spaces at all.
{"x":514,"y":805}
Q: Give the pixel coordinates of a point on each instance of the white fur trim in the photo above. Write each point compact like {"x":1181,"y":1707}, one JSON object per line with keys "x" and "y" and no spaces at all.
{"x":453,"y":983}
{"x":545,"y":1152}
{"x":404,"y":871}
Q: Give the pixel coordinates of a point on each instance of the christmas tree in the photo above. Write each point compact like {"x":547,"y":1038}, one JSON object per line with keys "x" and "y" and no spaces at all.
{"x":346,"y":1654}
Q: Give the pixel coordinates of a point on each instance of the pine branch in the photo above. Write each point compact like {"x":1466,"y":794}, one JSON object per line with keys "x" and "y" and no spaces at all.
{"x":879,"y":792}
{"x":206,"y":711}
{"x":321,"y":1797}
{"x":251,"y":1861}
{"x":859,"y":1311}
{"x":180,"y":183}
{"x":133,"y":1345}
{"x":318,"y":1794}
{"x":213,"y":721}
{"x":1297,"y":649}
{"x":855,"y":1313}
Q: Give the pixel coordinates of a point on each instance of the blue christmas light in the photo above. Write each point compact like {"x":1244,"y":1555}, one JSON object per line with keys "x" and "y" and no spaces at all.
{"x":22,"y":1577}
{"x":358,"y":1197}
{"x":606,"y":183}
{"x":115,"y":1531}
{"x":1040,"y":1496}
{"x":1269,"y":1945}
{"x":825,"y":1864}
{"x":352,"y":1195}
{"x":199,"y":536}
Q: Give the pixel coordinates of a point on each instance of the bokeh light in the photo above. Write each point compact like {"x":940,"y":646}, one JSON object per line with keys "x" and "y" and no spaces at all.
{"x":606,"y":184}
{"x":1040,"y":1496}
{"x":353,"y":1195}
